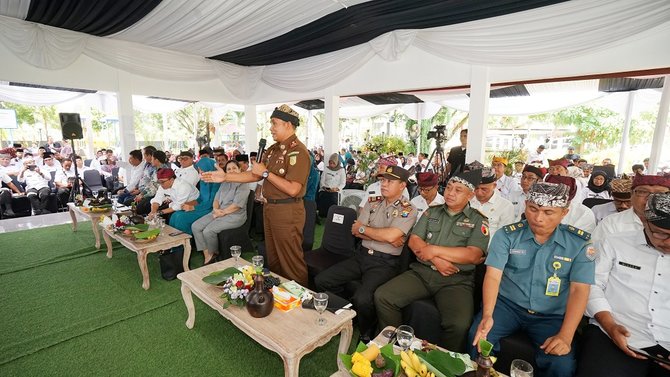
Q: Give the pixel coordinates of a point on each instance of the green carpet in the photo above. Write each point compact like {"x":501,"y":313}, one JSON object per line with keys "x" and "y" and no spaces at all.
{"x":69,"y":311}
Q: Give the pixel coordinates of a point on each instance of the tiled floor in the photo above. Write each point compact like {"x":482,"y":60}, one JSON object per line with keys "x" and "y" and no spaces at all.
{"x":32,"y":222}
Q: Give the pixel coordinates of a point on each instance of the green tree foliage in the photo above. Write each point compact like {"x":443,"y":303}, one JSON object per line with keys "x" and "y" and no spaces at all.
{"x":595,"y":127}
{"x":24,"y":114}
{"x":98,"y":121}
{"x":186,"y":118}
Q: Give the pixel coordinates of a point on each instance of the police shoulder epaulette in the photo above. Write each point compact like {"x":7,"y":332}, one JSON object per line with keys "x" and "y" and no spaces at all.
{"x":405,"y":203}
{"x":514,"y":227}
{"x":578,"y":232}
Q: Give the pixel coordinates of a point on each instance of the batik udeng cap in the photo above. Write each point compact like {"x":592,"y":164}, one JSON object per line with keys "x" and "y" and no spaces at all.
{"x":549,"y":194}
{"x":657,"y":211}
{"x":488,"y":176}
{"x":621,"y":188}
{"x":287,"y":114}
{"x":426,"y":179}
{"x":470,"y":179}
{"x":570,"y":182}
{"x":651,"y":180}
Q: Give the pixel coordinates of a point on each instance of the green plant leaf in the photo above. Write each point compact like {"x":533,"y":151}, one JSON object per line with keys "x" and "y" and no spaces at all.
{"x":387,"y":351}
{"x":442,"y":362}
{"x":138,"y":227}
{"x":485,"y":346}
{"x":219,"y":277}
{"x":147,"y":234}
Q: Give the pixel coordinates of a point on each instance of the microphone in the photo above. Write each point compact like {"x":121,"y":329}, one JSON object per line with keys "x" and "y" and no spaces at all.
{"x":261,"y":149}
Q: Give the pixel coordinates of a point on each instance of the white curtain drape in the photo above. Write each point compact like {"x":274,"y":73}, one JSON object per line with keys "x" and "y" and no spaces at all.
{"x":541,"y":35}
{"x":36,"y":96}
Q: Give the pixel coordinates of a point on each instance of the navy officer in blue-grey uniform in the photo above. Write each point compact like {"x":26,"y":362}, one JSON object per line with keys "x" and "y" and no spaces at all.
{"x":383,"y":226}
{"x":538,"y":278}
{"x":448,"y":241}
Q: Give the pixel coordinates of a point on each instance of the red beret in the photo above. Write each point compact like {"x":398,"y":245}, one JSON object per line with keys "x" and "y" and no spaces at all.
{"x":651,"y":180}
{"x":426,"y":179}
{"x":568,"y":181}
{"x":165,"y":173}
{"x":560,"y":162}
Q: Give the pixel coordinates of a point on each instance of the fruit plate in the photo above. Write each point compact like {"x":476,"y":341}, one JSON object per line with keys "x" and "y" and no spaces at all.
{"x":144,"y":240}
{"x":391,"y":361}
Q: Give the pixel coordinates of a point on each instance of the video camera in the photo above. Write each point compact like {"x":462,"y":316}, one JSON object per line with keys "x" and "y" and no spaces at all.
{"x":438,"y":133}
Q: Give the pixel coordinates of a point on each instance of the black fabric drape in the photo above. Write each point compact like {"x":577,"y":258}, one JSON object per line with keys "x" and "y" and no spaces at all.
{"x":363,"y":22}
{"x":96,"y":17}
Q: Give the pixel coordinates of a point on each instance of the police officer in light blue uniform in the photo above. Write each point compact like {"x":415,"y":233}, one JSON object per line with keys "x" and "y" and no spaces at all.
{"x":538,"y":279}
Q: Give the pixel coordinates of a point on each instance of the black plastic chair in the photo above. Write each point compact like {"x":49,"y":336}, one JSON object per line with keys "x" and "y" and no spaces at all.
{"x":93,"y":180}
{"x":310,"y":224}
{"x":238,"y":236}
{"x":337,"y":243}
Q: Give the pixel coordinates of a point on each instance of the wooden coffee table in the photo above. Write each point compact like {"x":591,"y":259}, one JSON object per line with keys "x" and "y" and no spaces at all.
{"x":94,"y":216}
{"x":163,"y":242}
{"x":291,"y":334}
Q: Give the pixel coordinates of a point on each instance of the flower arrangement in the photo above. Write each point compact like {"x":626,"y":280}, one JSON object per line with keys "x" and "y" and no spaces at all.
{"x":235,"y":290}
{"x":120,"y":223}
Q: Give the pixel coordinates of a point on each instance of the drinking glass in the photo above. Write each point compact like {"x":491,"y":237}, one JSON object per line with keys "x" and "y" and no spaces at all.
{"x":405,"y":336}
{"x":320,"y":304}
{"x":521,"y":368}
{"x":257,"y":261}
{"x":235,"y":252}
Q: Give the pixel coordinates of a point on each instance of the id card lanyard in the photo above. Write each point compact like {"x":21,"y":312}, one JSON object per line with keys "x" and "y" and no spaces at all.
{"x":554,"y":282}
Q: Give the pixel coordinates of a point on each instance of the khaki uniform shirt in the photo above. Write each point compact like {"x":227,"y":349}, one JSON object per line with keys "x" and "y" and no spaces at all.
{"x":466,"y":228}
{"x":400,"y":214}
{"x":290,"y":160}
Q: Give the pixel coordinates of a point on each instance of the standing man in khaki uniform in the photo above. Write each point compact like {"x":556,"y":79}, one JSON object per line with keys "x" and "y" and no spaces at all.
{"x":285,"y":168}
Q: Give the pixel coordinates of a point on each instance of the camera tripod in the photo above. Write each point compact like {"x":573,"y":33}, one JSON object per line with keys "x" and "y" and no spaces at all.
{"x":438,"y":162}
{"x":75,"y":189}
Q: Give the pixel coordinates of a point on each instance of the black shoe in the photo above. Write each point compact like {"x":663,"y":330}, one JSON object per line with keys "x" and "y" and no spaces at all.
{"x":8,"y":213}
{"x":37,"y":212}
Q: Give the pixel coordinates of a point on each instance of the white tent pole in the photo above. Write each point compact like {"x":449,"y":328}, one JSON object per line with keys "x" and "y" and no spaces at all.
{"x":480,"y":88}
{"x":250,"y":129}
{"x":661,"y":125}
{"x":308,"y":128}
{"x":626,"y":132}
{"x":331,"y":129}
{"x":124,"y":100}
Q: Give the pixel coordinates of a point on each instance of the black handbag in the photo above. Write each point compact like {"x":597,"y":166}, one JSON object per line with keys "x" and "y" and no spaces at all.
{"x":171,"y":262}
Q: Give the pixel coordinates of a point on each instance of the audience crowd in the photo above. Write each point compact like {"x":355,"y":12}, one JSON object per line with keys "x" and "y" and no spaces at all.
{"x":561,"y":240}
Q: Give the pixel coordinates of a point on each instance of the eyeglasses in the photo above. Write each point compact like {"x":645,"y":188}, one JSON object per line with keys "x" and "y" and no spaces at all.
{"x":645,"y":194}
{"x":161,"y":181}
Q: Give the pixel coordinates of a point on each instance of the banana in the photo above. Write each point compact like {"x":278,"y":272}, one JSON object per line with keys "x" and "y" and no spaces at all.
{"x":416,"y":363}
{"x":405,"y":357}
{"x":423,"y":371}
{"x":411,"y":372}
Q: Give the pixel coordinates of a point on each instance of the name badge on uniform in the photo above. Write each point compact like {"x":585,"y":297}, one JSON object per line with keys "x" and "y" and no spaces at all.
{"x":554,"y":282}
{"x":465,"y":224}
{"x":517,"y":252}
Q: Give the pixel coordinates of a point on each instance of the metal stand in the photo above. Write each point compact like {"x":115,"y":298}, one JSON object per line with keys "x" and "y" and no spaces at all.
{"x":439,"y":165}
{"x":76,"y":189}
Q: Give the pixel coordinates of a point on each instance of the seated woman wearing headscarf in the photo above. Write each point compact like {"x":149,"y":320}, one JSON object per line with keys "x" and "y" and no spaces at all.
{"x":182,"y":220}
{"x":229,"y":211}
{"x":598,"y":186}
{"x":333,"y":180}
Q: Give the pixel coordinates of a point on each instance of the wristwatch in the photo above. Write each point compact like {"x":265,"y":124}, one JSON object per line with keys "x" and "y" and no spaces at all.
{"x":265,"y":174}
{"x":361,"y":230}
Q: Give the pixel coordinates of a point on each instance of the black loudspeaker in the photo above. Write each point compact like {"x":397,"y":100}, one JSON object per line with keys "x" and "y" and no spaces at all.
{"x":71,"y":125}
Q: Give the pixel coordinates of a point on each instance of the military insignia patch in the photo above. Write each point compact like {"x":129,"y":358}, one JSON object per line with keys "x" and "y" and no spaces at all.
{"x":485,"y":229}
{"x":591,"y":253}
{"x":281,"y":171}
{"x":292,"y":160}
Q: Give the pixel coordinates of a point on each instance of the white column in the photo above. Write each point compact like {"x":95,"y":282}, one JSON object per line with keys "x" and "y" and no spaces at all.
{"x":621,"y":165}
{"x":251,"y":129}
{"x":308,"y":127}
{"x":331,"y":128}
{"x":480,"y":88}
{"x":124,"y":100}
{"x":661,"y":125}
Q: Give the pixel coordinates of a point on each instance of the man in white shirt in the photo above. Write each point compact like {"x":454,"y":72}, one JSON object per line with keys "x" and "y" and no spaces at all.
{"x":50,"y":163}
{"x":63,"y":181}
{"x":16,"y":163}
{"x":631,"y":219}
{"x":428,"y":195}
{"x":538,"y":157}
{"x":6,"y":195}
{"x":629,"y":300}
{"x":5,"y":167}
{"x":491,"y":204}
{"x":134,"y":170}
{"x":186,"y":170}
{"x":37,"y":186}
{"x":621,"y":194}
{"x":504,"y":184}
{"x":529,"y":176}
{"x":172,"y":194}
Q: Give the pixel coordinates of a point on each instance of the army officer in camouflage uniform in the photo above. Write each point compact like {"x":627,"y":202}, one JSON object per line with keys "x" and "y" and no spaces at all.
{"x":448,"y":241}
{"x":538,"y":279}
